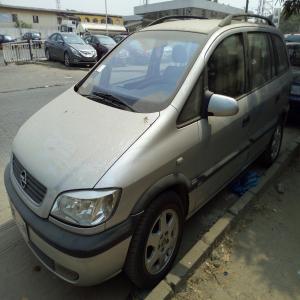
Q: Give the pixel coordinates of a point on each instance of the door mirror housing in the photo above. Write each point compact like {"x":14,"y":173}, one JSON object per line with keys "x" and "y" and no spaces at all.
{"x":222,"y":106}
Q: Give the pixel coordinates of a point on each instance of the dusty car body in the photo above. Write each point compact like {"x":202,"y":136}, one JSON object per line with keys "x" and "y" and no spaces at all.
{"x":103,"y":177}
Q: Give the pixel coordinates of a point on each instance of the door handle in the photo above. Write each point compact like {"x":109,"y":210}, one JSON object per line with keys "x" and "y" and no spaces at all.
{"x":245,"y":121}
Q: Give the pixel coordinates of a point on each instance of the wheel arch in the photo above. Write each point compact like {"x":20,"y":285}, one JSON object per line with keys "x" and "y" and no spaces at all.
{"x":178,"y":183}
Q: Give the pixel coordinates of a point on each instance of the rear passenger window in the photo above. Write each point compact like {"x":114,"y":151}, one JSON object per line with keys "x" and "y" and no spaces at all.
{"x":281,"y":58}
{"x":226,"y":68}
{"x":260,"y":61}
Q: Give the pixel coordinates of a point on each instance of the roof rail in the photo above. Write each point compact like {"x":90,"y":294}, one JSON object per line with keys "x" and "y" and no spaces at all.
{"x":166,"y":18}
{"x":227,"y":20}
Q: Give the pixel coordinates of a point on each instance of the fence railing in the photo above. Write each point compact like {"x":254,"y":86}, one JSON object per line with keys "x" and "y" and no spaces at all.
{"x":24,"y":51}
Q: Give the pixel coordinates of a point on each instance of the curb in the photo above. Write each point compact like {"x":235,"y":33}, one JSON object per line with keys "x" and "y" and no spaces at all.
{"x":202,"y":249}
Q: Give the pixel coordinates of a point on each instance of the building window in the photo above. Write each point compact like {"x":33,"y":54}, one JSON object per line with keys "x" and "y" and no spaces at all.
{"x":35,"y":19}
{"x":14,"y":17}
{"x":95,"y":20}
{"x":109,"y":21}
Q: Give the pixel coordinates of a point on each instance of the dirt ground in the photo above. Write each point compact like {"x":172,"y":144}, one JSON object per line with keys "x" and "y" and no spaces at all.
{"x":260,"y":258}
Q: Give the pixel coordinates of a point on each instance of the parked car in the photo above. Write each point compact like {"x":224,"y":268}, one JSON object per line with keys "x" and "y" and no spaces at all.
{"x":6,"y":39}
{"x":294,"y":53}
{"x":102,"y":178}
{"x":70,"y":49}
{"x":292,"y":38}
{"x":294,"y":98}
{"x":119,"y":37}
{"x":32,"y":36}
{"x":101,"y":43}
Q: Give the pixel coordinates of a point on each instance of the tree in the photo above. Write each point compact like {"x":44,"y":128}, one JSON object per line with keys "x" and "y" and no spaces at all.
{"x":290,"y":7}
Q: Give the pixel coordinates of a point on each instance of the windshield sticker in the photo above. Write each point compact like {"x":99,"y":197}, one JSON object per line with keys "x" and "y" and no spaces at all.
{"x":101,"y":68}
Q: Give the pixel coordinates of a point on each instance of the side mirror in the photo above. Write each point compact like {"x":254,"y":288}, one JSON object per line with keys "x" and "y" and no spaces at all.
{"x":222,"y":106}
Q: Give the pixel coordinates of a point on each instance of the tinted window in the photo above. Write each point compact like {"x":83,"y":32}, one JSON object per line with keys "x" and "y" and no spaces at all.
{"x":226,"y":68}
{"x":53,"y":37}
{"x":280,"y":54}
{"x":1,"y":38}
{"x":192,"y":107}
{"x":260,"y":61}
{"x":146,"y":69}
{"x":294,"y":54}
{"x":105,"y":40}
{"x":59,"y":38}
{"x":293,"y":38}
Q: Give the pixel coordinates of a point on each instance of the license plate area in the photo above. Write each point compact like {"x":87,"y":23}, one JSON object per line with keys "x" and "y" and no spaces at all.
{"x":20,"y":223}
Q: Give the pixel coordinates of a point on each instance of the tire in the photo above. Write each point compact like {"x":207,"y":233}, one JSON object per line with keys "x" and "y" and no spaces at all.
{"x":273,"y":149}
{"x":67,"y":60}
{"x":48,"y":55}
{"x":154,"y":246}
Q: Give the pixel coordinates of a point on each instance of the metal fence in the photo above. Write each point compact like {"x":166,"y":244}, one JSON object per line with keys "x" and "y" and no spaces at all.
{"x":24,"y":51}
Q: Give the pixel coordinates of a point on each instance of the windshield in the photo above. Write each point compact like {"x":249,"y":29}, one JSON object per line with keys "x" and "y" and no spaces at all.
{"x":72,"y":39}
{"x":293,"y":38}
{"x":146,"y":70}
{"x":35,"y":34}
{"x":106,"y":40}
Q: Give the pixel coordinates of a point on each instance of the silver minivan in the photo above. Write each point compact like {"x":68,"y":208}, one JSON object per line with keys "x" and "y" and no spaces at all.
{"x":103,"y":177}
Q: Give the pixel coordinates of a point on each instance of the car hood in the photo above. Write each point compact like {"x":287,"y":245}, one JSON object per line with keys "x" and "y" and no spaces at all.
{"x":82,"y":47}
{"x":71,"y":143}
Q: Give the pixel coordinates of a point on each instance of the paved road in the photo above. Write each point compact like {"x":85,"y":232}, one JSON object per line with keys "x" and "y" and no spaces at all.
{"x":23,"y":91}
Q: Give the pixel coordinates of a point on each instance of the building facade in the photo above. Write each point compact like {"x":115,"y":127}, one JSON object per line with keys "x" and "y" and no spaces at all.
{"x":16,"y":20}
{"x":201,"y":8}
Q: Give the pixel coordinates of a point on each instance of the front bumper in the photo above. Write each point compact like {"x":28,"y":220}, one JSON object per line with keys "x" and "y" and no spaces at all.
{"x":80,"y":60}
{"x":78,"y":259}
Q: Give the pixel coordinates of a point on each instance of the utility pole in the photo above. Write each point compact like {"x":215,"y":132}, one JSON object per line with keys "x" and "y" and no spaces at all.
{"x":106,"y":17}
{"x":247,"y":6}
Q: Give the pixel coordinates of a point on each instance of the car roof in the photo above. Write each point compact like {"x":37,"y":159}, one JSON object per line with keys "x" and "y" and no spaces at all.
{"x":204,"y":26}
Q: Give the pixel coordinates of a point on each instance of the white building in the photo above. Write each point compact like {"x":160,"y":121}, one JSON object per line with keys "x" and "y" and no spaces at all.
{"x":202,"y":8}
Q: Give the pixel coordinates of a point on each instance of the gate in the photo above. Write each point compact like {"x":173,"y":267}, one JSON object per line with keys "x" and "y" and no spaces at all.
{"x":24,"y":51}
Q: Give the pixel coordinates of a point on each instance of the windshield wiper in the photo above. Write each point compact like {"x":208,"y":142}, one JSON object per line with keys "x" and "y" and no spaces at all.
{"x":113,"y":100}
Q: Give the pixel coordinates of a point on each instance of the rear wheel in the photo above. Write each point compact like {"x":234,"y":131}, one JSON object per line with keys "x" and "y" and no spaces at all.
{"x":273,"y":149}
{"x":156,"y":241}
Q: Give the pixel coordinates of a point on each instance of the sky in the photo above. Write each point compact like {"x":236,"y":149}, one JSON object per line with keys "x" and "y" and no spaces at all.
{"x":119,"y":7}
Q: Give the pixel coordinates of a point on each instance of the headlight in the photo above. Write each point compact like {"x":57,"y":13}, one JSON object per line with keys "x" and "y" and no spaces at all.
{"x":295,"y":90}
{"x":85,"y":208}
{"x":76,"y":52}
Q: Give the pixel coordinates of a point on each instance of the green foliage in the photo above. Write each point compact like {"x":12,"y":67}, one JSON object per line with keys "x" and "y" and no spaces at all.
{"x":290,"y":25}
{"x":21,"y":24}
{"x":290,"y":8}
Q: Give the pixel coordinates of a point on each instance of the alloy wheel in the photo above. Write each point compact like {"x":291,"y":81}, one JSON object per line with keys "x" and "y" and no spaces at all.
{"x":161,"y":241}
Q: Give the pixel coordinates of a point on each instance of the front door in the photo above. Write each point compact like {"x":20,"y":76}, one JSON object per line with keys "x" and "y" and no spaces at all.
{"x":224,"y":143}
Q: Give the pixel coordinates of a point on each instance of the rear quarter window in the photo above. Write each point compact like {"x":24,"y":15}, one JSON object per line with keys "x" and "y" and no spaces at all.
{"x":281,"y":58}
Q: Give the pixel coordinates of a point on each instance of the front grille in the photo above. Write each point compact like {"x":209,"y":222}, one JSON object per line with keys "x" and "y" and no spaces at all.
{"x":33,"y":188}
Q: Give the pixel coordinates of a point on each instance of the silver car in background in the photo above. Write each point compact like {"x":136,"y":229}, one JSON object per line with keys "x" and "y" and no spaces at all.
{"x":103,"y":177}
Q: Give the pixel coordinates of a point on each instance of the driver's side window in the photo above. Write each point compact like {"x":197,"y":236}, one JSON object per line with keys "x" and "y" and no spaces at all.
{"x":59,"y":38}
{"x":226,"y":68}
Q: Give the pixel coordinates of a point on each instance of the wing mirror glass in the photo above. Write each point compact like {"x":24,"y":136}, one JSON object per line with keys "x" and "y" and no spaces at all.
{"x":222,"y":106}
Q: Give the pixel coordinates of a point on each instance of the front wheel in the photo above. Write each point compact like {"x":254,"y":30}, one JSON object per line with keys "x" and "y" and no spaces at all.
{"x":156,"y":241}
{"x":273,"y":149}
{"x":47,"y":54}
{"x":67,"y":60}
